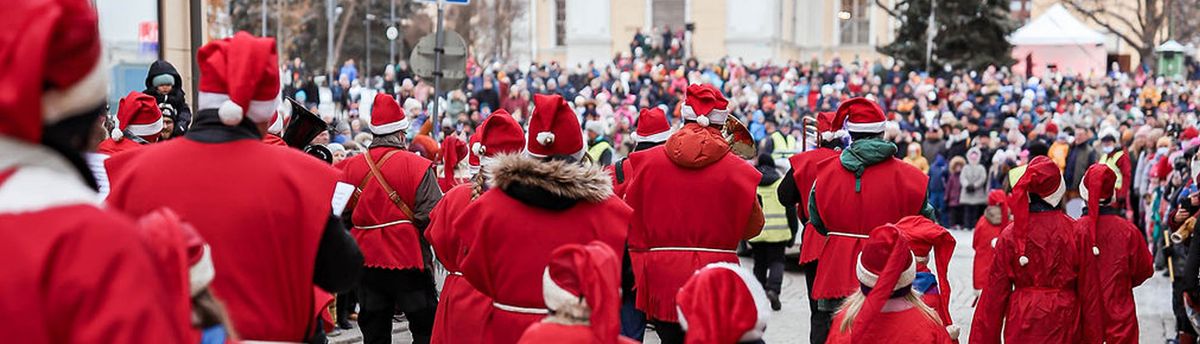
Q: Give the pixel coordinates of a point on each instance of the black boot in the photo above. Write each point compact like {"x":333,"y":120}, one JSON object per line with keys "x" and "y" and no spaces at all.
{"x":773,"y":296}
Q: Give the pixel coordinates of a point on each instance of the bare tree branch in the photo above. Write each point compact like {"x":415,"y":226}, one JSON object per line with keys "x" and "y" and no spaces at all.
{"x":890,"y":11}
{"x":1094,"y":17}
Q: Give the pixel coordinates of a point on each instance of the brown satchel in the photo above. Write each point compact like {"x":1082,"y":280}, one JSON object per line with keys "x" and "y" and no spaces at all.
{"x":378,"y":177}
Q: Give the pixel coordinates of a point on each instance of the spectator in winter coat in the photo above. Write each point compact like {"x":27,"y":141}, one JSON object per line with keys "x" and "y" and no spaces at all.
{"x":915,"y":157}
{"x":973,"y":197}
{"x":933,"y":144}
{"x":937,"y":186}
{"x":165,"y":85}
{"x":954,"y":188}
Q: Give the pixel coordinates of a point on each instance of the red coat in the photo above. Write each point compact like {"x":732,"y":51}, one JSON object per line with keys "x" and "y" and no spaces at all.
{"x":513,"y":241}
{"x":909,"y":326}
{"x":262,"y":221}
{"x":555,"y":333}
{"x":812,"y":243}
{"x":1052,"y":299}
{"x":462,"y":310}
{"x":1124,"y":263}
{"x":397,"y":244}
{"x":274,"y":140}
{"x":73,"y":272}
{"x":985,"y":233}
{"x":891,"y":190}
{"x":110,"y":147}
{"x":684,"y":219}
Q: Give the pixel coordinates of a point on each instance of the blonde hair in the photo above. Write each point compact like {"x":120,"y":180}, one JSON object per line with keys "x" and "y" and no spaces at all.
{"x":854,"y":303}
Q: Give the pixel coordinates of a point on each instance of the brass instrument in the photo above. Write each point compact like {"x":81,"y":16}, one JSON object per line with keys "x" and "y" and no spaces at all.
{"x":741,"y":143}
{"x":1184,"y":231}
{"x":304,"y":126}
{"x":809,"y":137}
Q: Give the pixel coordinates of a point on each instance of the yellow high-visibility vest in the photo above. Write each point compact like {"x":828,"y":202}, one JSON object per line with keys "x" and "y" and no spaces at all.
{"x":598,"y":149}
{"x":785,"y":145}
{"x":1111,"y":161}
{"x":775,"y":228}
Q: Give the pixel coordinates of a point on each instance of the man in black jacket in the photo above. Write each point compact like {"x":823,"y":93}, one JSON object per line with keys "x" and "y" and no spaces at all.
{"x":164,"y":84}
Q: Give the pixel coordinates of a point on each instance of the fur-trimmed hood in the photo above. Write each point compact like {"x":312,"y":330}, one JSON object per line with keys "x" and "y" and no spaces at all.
{"x":520,"y":174}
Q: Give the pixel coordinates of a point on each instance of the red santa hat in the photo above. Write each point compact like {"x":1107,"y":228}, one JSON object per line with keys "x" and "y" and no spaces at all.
{"x":499,"y":134}
{"x":1189,"y":133}
{"x":722,"y":303}
{"x":860,"y":115}
{"x":826,"y":128}
{"x":472,"y":142}
{"x":1098,"y":186}
{"x":239,"y":78}
{"x":52,"y":66}
{"x":704,"y":104}
{"x":652,"y":126}
{"x":554,"y":129}
{"x":386,"y":115}
{"x":924,"y":236}
{"x":885,"y":268}
{"x":138,"y":114}
{"x":586,"y":279}
{"x":453,"y":151}
{"x":1042,"y":179}
{"x":177,"y":243}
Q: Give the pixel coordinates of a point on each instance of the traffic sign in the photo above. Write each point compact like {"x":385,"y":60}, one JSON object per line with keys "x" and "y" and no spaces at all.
{"x":392,"y":33}
{"x":454,"y":59}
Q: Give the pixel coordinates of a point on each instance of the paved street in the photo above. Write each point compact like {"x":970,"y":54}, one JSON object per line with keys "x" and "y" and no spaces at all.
{"x":790,"y":325}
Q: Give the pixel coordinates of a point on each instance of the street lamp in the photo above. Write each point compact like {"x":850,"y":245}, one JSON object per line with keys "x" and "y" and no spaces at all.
{"x":367,"y":45}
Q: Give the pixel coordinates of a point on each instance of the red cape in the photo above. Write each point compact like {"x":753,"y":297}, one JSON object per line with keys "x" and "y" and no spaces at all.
{"x":395,"y":246}
{"x":812,"y":243}
{"x":1124,"y":263}
{"x":462,"y":310}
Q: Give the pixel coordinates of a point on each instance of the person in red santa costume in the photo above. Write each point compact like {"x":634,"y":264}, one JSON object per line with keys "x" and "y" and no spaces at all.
{"x":580,"y":289}
{"x":987,"y":233}
{"x":273,"y":227}
{"x":454,"y":151}
{"x":652,"y":130}
{"x":715,"y":206}
{"x":866,"y":175}
{"x":1123,"y":262}
{"x":722,"y":303}
{"x":462,"y":309}
{"x":793,"y":194}
{"x":73,"y":271}
{"x":138,"y":122}
{"x":186,"y":260}
{"x":929,"y":240}
{"x":395,"y":192}
{"x":1039,"y":289}
{"x":886,"y":309}
{"x":536,"y":201}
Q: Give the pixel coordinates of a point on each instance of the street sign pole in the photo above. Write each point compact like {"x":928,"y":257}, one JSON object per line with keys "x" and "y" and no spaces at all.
{"x":437,"y":74}
{"x":391,"y":37}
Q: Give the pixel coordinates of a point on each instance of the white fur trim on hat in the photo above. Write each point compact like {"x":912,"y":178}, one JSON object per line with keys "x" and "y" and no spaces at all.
{"x":201,"y":273}
{"x":87,"y":93}
{"x":478,"y":149}
{"x":231,"y":113}
{"x":833,"y":135}
{"x":873,"y":127}
{"x":716,"y":116}
{"x":389,"y":128}
{"x":869,"y":278}
{"x":756,"y":292}
{"x":555,"y":296}
{"x":1054,"y":198}
{"x":148,"y":129}
{"x":42,"y":179}
{"x":276,"y":126}
{"x":659,"y":137}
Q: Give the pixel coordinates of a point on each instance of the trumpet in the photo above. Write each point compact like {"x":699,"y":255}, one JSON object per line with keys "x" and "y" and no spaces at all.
{"x":1184,"y":231}
{"x":741,"y":143}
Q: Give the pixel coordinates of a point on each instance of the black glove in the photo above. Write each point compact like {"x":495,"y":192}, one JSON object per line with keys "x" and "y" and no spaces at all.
{"x":971,"y":188}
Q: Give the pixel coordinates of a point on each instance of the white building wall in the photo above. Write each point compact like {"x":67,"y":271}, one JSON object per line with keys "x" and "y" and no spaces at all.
{"x":589,"y":35}
{"x":752,"y":29}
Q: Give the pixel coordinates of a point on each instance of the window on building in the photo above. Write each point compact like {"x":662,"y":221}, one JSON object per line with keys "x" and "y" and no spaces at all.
{"x":1020,"y":9}
{"x":560,"y":22}
{"x":854,"y":22}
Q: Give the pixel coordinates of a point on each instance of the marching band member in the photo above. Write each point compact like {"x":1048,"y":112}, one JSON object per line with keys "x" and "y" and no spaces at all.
{"x":396,"y":191}
{"x":987,"y":232}
{"x":580,"y":289}
{"x":537,"y":201}
{"x":266,"y":211}
{"x":865,"y":187}
{"x":722,"y":303}
{"x":1123,"y":261}
{"x":715,"y":207}
{"x":1039,"y":289}
{"x":462,"y":309}
{"x":793,"y":192}
{"x":928,"y":240}
{"x":138,"y":122}
{"x":73,"y":271}
{"x":885,"y":308}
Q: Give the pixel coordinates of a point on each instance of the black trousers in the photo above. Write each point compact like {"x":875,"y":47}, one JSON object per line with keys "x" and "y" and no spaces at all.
{"x":385,"y":292}
{"x":668,"y":332}
{"x":971,"y":214}
{"x":821,"y":321}
{"x":345,"y":305}
{"x":768,"y":264}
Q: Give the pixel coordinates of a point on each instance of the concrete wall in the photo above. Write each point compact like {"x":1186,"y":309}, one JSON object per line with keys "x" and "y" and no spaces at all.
{"x":176,"y":42}
{"x":627,"y":16}
{"x":708,"y":41}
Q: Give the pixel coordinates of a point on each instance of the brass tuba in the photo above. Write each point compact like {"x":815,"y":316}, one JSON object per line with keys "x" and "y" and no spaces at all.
{"x":1184,"y":231}
{"x":809,"y":137}
{"x":741,"y":143}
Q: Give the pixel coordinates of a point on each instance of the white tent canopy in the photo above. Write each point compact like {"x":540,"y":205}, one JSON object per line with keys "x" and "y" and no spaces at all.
{"x":1056,"y":27}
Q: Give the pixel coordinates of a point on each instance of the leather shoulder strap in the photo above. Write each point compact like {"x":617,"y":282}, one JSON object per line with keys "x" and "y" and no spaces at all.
{"x":392,"y":195}
{"x":618,"y":168}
